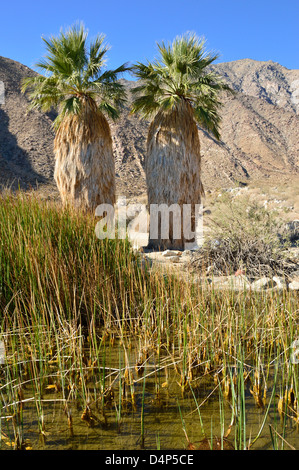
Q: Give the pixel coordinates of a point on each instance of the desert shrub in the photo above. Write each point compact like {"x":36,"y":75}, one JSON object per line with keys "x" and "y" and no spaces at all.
{"x":52,"y":261}
{"x":244,"y":235}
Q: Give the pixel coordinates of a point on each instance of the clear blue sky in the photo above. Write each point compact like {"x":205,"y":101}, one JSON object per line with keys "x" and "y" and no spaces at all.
{"x":237,"y":29}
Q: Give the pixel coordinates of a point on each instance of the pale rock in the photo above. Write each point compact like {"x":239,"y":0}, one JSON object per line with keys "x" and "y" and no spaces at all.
{"x":280,"y":283}
{"x":263,"y":283}
{"x":230,"y":282}
{"x":170,"y":253}
{"x":174,"y":259}
{"x":294,"y":285}
{"x":186,"y":253}
{"x":276,"y":283}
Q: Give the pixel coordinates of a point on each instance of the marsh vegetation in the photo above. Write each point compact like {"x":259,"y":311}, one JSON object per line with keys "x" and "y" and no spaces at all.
{"x":103,"y":353}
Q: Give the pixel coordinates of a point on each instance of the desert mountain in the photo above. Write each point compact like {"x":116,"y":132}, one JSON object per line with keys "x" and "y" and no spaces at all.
{"x":260,"y":132}
{"x":26,"y":141}
{"x":269,"y":81}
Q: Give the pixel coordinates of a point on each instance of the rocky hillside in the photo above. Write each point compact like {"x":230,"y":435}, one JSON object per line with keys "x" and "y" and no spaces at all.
{"x":260,"y":132}
{"x":26,"y":141}
{"x":269,"y":81}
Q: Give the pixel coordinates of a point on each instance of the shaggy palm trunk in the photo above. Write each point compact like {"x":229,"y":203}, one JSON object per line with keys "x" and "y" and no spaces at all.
{"x":173,"y":174}
{"x":84,"y":168}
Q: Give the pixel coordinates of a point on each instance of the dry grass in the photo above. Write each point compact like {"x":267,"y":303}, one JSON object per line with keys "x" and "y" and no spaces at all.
{"x":67,"y":299}
{"x":244,"y":234}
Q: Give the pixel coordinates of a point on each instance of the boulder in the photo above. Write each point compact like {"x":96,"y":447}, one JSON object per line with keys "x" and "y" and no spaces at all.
{"x":171,"y":253}
{"x":294,"y":285}
{"x":263,"y":283}
{"x":230,"y":282}
{"x":277,"y":283}
{"x":280,"y":282}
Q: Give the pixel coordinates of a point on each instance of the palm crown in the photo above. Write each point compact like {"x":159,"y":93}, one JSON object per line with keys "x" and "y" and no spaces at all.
{"x":75,"y":74}
{"x":181,"y":74}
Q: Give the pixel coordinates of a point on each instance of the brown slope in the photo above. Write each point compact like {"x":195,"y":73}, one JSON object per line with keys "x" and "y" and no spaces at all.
{"x":259,"y":141}
{"x":129,"y":135}
{"x":26,"y":140}
{"x":259,"y":137}
{"x":269,"y":81}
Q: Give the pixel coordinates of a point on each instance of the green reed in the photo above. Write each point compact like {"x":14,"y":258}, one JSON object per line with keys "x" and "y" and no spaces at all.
{"x":67,"y":299}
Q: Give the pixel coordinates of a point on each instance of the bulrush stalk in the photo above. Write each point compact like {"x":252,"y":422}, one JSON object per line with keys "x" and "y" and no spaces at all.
{"x":86,"y":328}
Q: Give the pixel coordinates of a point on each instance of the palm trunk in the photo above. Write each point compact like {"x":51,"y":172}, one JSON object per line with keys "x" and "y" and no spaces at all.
{"x":173,"y":171}
{"x":84,"y":168}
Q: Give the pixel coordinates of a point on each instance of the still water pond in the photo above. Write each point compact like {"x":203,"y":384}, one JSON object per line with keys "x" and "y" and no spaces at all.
{"x":121,"y":408}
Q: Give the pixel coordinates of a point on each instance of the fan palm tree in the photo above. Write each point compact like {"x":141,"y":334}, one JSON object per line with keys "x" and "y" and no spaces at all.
{"x":178,"y":91}
{"x":85,"y":94}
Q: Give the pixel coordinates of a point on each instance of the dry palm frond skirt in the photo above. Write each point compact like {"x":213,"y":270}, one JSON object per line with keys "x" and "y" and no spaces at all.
{"x":84,"y":168}
{"x":173,"y":170}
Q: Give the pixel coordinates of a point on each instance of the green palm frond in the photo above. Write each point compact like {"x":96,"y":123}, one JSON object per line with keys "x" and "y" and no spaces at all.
{"x":74,"y":71}
{"x":181,"y":72}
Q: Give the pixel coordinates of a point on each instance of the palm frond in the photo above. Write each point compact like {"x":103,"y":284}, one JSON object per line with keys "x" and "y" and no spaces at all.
{"x":74,"y":71}
{"x":181,"y":73}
